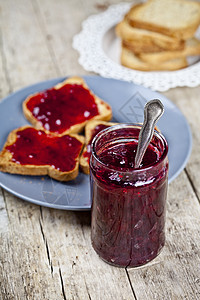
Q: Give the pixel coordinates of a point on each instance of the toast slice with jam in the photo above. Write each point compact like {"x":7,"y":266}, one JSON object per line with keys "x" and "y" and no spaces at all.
{"x":29,"y":151}
{"x":65,"y":108}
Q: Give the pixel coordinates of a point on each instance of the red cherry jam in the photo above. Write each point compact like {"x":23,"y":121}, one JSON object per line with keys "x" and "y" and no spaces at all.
{"x":59,"y":109}
{"x":122,"y":156}
{"x":128,"y":204}
{"x":35,"y":147}
{"x":96,"y":130}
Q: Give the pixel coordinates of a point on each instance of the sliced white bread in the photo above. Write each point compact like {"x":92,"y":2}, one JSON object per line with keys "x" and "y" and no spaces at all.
{"x":130,"y":60}
{"x":192,"y":48}
{"x":142,"y":40}
{"x":176,"y":18}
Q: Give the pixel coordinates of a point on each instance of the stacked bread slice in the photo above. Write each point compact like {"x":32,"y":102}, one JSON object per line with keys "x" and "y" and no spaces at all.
{"x":159,"y":34}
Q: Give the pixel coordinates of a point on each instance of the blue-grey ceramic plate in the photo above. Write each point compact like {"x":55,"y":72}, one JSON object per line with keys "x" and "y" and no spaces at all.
{"x":127,"y":101}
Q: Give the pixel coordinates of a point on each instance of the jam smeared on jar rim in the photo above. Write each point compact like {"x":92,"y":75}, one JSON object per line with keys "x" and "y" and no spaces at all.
{"x":35,"y":147}
{"x":96,"y":130}
{"x":59,"y":109}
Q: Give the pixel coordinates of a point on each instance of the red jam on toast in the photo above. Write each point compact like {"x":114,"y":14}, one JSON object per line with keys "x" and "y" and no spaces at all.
{"x":35,"y":147}
{"x":59,"y":109}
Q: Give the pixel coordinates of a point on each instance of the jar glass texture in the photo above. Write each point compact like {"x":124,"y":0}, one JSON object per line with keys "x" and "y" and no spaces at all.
{"x":128,"y":205}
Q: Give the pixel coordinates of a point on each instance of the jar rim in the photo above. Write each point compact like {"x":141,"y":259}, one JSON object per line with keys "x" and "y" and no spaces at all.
{"x":128,"y":125}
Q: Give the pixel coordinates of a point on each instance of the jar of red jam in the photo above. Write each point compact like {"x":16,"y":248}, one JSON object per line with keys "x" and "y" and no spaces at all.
{"x":128,"y":204}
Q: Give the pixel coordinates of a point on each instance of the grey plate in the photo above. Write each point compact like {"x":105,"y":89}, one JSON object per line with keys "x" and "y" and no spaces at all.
{"x":127,"y":101}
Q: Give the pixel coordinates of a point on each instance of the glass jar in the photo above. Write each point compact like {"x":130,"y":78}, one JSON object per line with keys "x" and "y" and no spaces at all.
{"x":128,"y":205}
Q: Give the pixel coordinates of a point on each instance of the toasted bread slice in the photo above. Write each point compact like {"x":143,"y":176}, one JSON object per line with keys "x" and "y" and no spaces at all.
{"x":192,"y":48}
{"x":176,"y":18}
{"x":140,"y":46}
{"x":66,"y":108}
{"x":29,"y":151}
{"x":130,"y":60}
{"x":91,"y":129}
{"x":142,"y":40}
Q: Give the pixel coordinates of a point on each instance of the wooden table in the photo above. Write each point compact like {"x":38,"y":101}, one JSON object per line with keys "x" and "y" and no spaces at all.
{"x":46,"y":253}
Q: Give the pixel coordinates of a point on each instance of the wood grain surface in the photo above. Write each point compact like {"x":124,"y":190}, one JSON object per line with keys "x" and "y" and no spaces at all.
{"x":47,"y":253}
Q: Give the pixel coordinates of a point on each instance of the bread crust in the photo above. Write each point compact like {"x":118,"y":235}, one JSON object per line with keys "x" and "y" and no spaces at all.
{"x":105,"y":111}
{"x":88,"y":134}
{"x":192,"y":48}
{"x":8,"y":166}
{"x":142,"y":40}
{"x":130,"y":60}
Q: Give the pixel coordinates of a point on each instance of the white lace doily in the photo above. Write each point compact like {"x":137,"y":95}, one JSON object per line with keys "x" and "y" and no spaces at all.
{"x":99,"y":50}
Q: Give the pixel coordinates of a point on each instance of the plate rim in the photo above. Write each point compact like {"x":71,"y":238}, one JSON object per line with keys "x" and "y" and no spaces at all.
{"x":59,"y":79}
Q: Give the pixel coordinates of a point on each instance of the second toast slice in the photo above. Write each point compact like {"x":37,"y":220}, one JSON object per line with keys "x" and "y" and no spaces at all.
{"x":91,"y":129}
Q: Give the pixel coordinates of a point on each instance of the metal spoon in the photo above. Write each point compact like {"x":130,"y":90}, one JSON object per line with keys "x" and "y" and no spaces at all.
{"x":153,"y":110}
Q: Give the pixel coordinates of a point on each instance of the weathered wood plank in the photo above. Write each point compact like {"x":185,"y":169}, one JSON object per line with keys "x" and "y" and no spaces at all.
{"x":5,"y":87}
{"x":187,"y":101}
{"x":60,"y":28}
{"x":25,"y":272}
{"x":26,"y":54}
{"x":4,"y":220}
{"x":85,"y":276}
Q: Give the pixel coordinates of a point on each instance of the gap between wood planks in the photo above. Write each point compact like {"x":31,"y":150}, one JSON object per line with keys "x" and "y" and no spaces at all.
{"x":62,"y":284}
{"x":49,"y":256}
{"x":192,"y":185}
{"x":50,"y":261}
{"x":38,"y":16}
{"x":4,"y":63}
{"x":47,"y":249}
{"x":127,"y":274}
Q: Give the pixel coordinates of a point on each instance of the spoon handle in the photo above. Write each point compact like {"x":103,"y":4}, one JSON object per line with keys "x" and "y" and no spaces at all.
{"x":145,"y":137}
{"x":152,"y":112}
